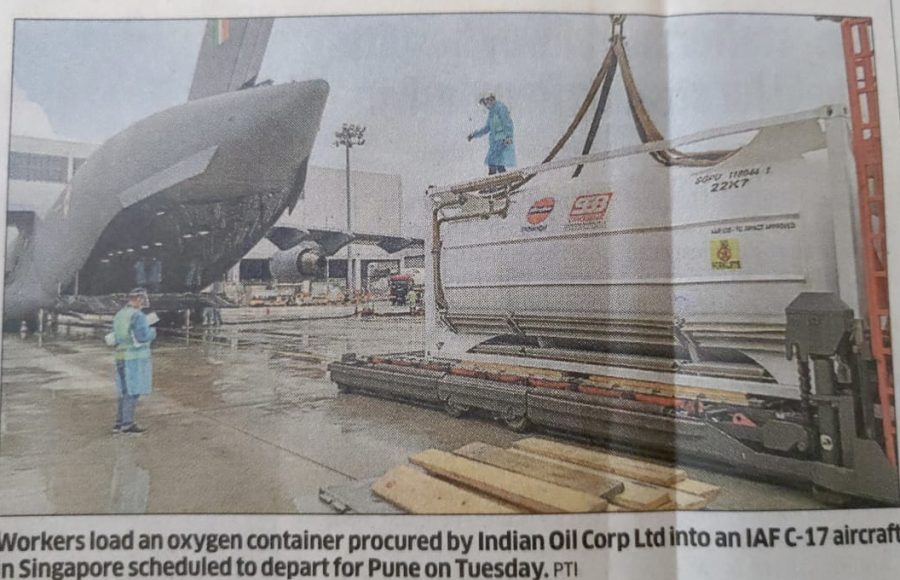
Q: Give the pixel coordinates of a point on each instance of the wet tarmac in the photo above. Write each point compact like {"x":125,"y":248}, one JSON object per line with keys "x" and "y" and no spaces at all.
{"x":243,"y":419}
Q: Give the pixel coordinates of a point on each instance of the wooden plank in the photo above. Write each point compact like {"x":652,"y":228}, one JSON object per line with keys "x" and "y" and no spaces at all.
{"x":642,"y":497}
{"x":539,"y":468}
{"x":528,"y":492}
{"x":704,"y":490}
{"x":513,"y":370}
{"x":418,"y":493}
{"x":635,"y":496}
{"x":681,"y":391}
{"x":680,"y":500}
{"x":639,"y":470}
{"x":638,"y":495}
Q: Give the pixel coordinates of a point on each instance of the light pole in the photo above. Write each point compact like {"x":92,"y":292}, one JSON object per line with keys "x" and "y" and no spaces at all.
{"x":349,"y":136}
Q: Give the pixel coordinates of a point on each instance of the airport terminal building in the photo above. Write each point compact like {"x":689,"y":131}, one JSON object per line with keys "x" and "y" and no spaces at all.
{"x":39,"y":169}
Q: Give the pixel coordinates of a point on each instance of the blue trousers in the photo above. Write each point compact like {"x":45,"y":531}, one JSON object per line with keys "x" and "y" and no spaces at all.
{"x":127,"y":403}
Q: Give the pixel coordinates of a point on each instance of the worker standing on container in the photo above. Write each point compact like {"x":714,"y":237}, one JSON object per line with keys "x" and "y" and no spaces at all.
{"x":499,"y":128}
{"x":134,"y":371}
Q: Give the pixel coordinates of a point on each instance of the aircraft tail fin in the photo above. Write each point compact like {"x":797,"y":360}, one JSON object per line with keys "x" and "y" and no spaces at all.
{"x":230,"y":55}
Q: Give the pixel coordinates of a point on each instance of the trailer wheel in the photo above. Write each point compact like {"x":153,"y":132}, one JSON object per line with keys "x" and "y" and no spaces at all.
{"x":517,"y":423}
{"x":831,"y":498}
{"x":454,"y":410}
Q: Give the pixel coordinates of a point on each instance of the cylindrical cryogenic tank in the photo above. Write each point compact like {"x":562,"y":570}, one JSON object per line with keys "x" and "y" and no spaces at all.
{"x":714,"y":254}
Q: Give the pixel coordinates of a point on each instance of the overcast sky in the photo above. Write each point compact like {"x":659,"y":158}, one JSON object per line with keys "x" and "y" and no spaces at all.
{"x":414,"y":80}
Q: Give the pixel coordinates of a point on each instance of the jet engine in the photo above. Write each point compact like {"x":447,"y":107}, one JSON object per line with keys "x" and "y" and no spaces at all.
{"x":304,"y":261}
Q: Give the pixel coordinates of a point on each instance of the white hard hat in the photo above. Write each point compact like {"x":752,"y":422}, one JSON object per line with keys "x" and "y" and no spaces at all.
{"x":485,"y":95}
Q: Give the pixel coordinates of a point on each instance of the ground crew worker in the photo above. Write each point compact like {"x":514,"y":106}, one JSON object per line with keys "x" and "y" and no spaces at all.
{"x":134,"y":371}
{"x":499,"y":128}
{"x":411,"y":298}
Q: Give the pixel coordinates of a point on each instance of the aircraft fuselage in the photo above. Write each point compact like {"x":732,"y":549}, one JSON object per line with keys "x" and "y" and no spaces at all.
{"x":179,"y":197}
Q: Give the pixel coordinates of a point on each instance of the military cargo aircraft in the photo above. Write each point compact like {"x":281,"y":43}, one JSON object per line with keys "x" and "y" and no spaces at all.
{"x":176,"y":199}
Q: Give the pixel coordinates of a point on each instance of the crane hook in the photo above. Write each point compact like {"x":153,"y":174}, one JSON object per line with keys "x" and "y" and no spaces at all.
{"x":617,"y":22}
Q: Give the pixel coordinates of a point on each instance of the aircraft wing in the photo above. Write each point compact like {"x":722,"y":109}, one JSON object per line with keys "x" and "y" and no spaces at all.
{"x":285,"y":238}
{"x":331,"y":240}
{"x":389,"y":244}
{"x":231,"y":54}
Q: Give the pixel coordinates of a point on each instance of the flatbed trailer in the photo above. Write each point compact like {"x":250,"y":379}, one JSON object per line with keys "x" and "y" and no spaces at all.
{"x":747,"y":435}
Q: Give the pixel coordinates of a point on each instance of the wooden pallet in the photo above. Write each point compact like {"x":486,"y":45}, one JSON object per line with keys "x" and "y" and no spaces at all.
{"x":537,"y":476}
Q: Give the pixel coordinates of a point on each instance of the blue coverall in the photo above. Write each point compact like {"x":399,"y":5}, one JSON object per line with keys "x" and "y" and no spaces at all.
{"x":499,"y":126}
{"x":134,"y":369}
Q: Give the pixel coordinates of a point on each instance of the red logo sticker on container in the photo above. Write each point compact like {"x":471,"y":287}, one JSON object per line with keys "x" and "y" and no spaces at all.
{"x":540,"y":210}
{"x":589,"y":209}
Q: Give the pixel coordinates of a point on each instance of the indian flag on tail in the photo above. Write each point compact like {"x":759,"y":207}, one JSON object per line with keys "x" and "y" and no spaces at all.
{"x":219,"y":30}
